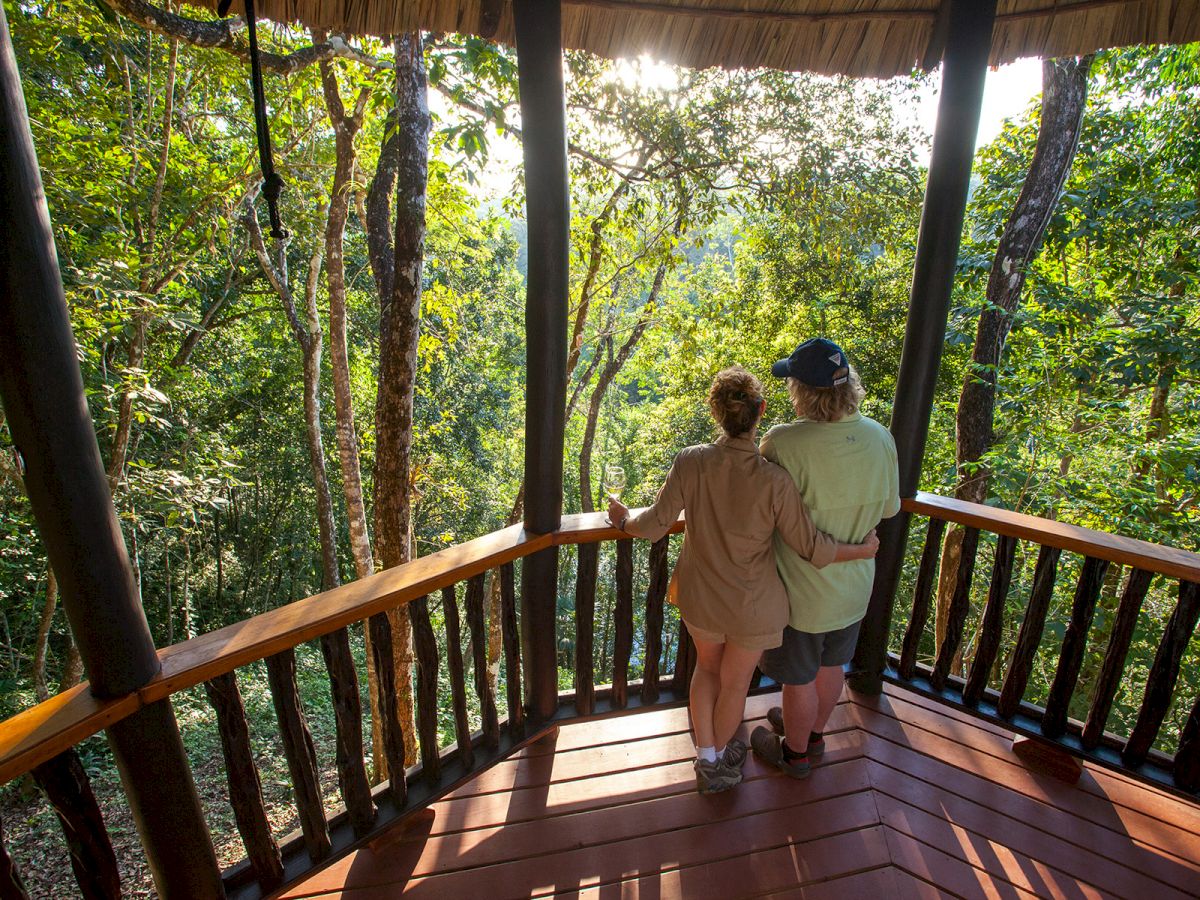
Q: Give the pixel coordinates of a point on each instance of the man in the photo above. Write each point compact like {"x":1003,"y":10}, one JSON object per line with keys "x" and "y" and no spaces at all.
{"x":844,"y":465}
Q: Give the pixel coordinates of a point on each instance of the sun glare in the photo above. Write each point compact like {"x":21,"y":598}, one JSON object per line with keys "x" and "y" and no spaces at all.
{"x":646,"y":73}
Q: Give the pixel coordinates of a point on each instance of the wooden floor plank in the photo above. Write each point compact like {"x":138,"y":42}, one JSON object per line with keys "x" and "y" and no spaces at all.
{"x":895,"y":692}
{"x":1108,"y":786}
{"x":888,"y":883}
{"x":487,"y":846}
{"x":988,"y":860}
{"x":670,"y":776}
{"x":639,"y":724}
{"x":1075,"y":860}
{"x":953,"y":876}
{"x":681,"y":847}
{"x":929,"y":777}
{"x":802,"y":870}
{"x":538,"y":771}
{"x":647,"y":820}
{"x":956,"y":746}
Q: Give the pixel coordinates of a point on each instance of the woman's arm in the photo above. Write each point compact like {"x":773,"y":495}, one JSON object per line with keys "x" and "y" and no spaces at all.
{"x":654,"y":521}
{"x":866,"y":550}
{"x":799,"y":532}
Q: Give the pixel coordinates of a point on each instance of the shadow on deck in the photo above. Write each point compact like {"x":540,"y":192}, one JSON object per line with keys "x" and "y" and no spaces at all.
{"x":912,"y":799}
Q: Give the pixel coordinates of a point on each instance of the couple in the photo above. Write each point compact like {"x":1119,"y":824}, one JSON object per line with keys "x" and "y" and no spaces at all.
{"x":765,"y":576}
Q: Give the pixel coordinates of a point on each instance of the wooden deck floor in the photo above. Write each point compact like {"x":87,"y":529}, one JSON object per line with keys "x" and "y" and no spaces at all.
{"x":911,"y":800}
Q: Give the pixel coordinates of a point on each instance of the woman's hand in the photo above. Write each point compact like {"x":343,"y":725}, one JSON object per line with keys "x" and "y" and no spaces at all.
{"x":618,"y":512}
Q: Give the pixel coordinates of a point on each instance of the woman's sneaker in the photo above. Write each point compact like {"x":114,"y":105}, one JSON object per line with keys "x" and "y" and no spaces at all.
{"x":714,"y":777}
{"x":735,"y":753}
{"x":769,"y":747}
{"x":816,"y":748}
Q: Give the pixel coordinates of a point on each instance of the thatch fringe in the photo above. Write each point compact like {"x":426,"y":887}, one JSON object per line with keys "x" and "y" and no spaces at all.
{"x":878,"y":38}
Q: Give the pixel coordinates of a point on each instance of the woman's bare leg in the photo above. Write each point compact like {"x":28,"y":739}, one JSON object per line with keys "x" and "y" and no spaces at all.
{"x":737,"y":667}
{"x":705,"y":689}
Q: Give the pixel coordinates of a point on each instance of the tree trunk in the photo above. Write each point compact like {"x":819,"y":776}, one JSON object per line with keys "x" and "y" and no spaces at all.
{"x":1064,"y":96}
{"x":399,"y":329}
{"x":72,"y":672}
{"x":345,"y":128}
{"x":613,"y":367}
{"x":43,"y":636}
{"x":308,"y":335}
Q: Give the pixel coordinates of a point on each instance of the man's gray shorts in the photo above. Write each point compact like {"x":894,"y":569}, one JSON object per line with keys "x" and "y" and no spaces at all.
{"x":797,"y":659}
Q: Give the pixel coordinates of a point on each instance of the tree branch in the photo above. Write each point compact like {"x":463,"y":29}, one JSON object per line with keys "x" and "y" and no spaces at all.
{"x":222,"y":34}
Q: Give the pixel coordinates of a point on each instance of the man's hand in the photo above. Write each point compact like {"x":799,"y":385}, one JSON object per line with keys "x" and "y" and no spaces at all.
{"x":618,"y":512}
{"x":870,"y":545}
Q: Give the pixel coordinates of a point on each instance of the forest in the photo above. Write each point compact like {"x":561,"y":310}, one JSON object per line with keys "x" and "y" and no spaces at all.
{"x":280,"y":415}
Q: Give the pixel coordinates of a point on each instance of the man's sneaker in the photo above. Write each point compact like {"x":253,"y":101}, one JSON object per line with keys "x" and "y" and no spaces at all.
{"x":711,"y":778}
{"x":816,"y":749}
{"x":735,"y":753}
{"x":769,"y":747}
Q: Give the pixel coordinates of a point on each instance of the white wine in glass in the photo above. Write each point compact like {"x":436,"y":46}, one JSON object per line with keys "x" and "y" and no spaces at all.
{"x":614,"y":481}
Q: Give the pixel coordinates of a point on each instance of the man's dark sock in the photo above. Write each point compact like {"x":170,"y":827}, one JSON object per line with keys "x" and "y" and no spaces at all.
{"x":791,"y":755}
{"x":815,"y":736}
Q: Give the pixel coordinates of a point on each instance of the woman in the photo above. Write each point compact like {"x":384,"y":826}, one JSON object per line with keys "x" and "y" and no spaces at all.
{"x":730,"y":596}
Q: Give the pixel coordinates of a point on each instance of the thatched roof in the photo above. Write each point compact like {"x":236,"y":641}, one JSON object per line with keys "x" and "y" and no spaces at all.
{"x":878,"y":38}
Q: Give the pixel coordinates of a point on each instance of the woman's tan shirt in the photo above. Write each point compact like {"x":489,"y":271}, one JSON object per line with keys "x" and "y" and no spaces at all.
{"x":735,"y":501}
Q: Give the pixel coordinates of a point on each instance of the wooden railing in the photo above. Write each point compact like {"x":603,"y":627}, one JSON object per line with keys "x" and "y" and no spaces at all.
{"x":42,"y":739}
{"x":995,"y":682}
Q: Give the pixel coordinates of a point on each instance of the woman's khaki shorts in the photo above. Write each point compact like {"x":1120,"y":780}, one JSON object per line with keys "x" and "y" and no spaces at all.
{"x":745,"y":641}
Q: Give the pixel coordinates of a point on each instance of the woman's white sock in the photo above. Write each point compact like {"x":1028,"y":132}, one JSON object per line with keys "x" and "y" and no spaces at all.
{"x":706,"y":754}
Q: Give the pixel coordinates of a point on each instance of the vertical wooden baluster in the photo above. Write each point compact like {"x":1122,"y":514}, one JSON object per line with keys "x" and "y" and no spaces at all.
{"x":685,"y":660}
{"x":1163,"y":674}
{"x":656,"y":592}
{"x":347,"y":710}
{"x":1087,"y":591}
{"x":483,"y":681}
{"x":425,"y":647}
{"x":585,"y":621}
{"x":1187,"y":758}
{"x":458,"y":682}
{"x":623,"y":624}
{"x":956,"y":618}
{"x":512,"y":650}
{"x":993,"y":621}
{"x":69,"y":791}
{"x":1114,"y":657}
{"x":926,"y":578}
{"x":245,"y":786}
{"x":1030,"y":635}
{"x":11,"y":885}
{"x":299,"y":751}
{"x":391,"y":731}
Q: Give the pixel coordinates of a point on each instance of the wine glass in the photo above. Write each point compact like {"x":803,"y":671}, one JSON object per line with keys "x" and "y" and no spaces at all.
{"x":614,"y":481}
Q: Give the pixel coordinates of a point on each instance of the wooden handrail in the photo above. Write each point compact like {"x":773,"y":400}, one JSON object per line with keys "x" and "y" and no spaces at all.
{"x":42,"y":732}
{"x":1116,"y":548}
{"x":208,"y":655}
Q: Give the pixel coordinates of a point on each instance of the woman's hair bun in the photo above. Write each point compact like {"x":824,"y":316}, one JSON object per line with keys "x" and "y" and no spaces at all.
{"x":734,"y":400}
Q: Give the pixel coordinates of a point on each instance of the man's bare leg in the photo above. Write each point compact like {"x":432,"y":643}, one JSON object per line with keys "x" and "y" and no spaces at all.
{"x":807,"y":707}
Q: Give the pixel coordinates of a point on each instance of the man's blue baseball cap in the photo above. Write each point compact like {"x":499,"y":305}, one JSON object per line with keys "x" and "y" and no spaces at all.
{"x":818,"y":363}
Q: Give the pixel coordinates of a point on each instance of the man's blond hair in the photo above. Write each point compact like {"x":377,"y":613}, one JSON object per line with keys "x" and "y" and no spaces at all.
{"x":826,"y":404}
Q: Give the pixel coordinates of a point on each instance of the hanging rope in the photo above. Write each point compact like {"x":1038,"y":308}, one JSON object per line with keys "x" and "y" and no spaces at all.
{"x":272,"y":181}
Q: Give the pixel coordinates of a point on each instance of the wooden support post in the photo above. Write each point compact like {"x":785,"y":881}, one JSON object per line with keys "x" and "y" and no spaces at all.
{"x":547,"y":208}
{"x":42,"y":390}
{"x":964,"y":69}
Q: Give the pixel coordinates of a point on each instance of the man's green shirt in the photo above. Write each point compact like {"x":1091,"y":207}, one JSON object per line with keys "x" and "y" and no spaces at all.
{"x":846,"y":472}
